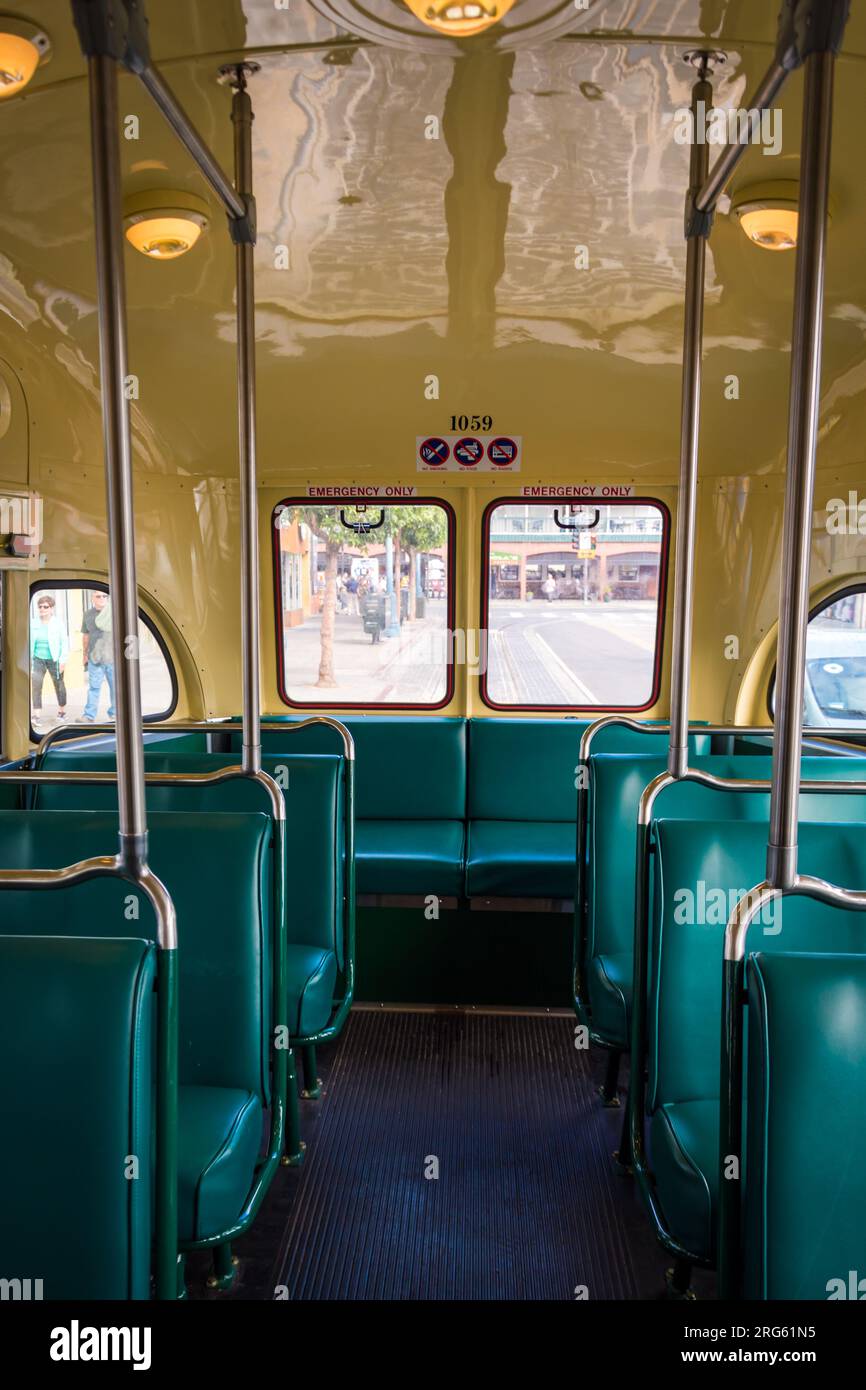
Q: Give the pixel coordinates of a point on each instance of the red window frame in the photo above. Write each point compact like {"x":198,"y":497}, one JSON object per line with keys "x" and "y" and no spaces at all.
{"x":664,"y":561}
{"x":352,"y":501}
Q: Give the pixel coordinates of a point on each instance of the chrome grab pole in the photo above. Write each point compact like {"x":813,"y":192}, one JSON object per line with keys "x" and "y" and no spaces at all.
{"x":697,"y":230}
{"x":111,"y":299}
{"x":803,"y":412}
{"x":242,"y":120}
{"x":816,"y":32}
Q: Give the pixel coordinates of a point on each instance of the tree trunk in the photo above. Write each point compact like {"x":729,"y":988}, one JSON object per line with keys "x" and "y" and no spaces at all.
{"x":397,"y":561}
{"x":329,"y":610}
{"x":413,"y":582}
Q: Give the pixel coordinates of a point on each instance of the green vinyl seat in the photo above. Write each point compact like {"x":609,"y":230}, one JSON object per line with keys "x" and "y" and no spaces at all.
{"x":415,"y":857}
{"x":314,"y":843}
{"x":699,"y":870}
{"x":522,"y":802}
{"x":806,"y":1143}
{"x":684,"y":1144}
{"x":616,"y":783}
{"x":217,"y":868}
{"x":77,"y":1035}
{"x":219,"y":1137}
{"x":311,"y":979}
{"x":514,"y":859}
{"x":609,"y":987}
{"x":410,"y":798}
{"x":522,"y":807}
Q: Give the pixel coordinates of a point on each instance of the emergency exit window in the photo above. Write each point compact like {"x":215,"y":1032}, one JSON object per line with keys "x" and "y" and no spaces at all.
{"x":574,"y":604}
{"x":364,"y":603}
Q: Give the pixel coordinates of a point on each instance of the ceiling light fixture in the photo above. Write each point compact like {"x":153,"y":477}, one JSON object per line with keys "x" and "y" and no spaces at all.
{"x":23,"y":47}
{"x":768,"y":214}
{"x":460,"y":18}
{"x":164,"y":225}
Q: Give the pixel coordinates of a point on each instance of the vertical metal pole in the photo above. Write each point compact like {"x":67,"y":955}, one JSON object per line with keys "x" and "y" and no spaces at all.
{"x":684,"y":563}
{"x":803,"y":409}
{"x":111,"y":296}
{"x":242,"y":120}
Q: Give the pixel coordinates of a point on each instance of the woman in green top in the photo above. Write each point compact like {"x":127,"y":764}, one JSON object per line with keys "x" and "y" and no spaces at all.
{"x":49,"y":648}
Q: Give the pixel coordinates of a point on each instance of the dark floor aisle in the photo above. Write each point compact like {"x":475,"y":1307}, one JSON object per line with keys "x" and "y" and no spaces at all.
{"x":527,"y":1204}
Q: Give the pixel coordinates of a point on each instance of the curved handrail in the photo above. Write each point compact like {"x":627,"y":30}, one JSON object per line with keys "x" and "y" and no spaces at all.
{"x":185,"y":726}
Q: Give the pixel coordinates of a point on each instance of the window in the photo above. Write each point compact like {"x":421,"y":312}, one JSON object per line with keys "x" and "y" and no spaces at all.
{"x":574,"y":621}
{"x":835,"y":681}
{"x":71,"y":665}
{"x":364,"y":603}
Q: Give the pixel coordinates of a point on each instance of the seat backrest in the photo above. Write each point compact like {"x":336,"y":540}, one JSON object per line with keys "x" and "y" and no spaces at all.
{"x":217,"y":867}
{"x":700,"y":869}
{"x":616,"y":783}
{"x":77,"y":1033}
{"x":406,"y":768}
{"x":523,"y":769}
{"x":312,"y":786}
{"x":805,"y":1208}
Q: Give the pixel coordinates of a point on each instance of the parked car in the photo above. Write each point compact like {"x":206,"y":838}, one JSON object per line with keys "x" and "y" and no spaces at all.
{"x":835,"y":686}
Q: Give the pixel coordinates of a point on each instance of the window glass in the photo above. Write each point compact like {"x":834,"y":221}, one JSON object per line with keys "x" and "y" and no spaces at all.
{"x":363,"y":604}
{"x":71,"y":664}
{"x":835,"y":685}
{"x":573,"y":604}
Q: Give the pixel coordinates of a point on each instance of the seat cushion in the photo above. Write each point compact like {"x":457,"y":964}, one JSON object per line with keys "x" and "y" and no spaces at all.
{"x":520,"y":859}
{"x":311,"y":975}
{"x":411,"y":856}
{"x":219,"y":1134}
{"x":609,"y":985}
{"x":684,"y":1147}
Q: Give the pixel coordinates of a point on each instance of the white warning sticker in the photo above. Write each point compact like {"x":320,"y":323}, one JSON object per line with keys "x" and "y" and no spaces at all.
{"x":349,"y":490}
{"x":611,"y":491}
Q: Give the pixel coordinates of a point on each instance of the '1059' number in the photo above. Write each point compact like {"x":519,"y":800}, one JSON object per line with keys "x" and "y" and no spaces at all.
{"x":472,"y":422}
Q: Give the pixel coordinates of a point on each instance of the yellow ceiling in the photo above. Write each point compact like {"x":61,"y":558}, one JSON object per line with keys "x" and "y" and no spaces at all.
{"x":409,"y":256}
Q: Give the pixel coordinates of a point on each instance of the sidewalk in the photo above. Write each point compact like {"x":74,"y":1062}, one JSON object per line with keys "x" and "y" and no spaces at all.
{"x":408,"y":667}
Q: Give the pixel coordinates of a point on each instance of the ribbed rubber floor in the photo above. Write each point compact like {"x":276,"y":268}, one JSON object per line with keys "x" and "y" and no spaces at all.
{"x":525,"y":1205}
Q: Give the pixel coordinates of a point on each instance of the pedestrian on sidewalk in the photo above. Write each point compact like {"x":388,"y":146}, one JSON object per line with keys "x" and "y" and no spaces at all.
{"x":49,"y":648}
